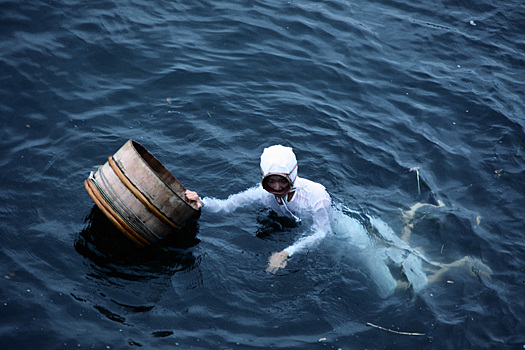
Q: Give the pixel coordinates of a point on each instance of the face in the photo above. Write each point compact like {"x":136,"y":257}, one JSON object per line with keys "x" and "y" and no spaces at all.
{"x":277,"y":183}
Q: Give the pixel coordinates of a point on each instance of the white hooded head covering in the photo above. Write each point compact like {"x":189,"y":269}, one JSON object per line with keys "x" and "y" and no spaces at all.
{"x":279,"y":160}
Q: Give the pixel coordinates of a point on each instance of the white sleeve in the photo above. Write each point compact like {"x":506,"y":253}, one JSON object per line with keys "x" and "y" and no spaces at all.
{"x":321,"y":227}
{"x":234,"y":201}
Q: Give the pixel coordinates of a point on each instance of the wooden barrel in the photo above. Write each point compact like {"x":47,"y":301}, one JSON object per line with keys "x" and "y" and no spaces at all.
{"x":139,"y":195}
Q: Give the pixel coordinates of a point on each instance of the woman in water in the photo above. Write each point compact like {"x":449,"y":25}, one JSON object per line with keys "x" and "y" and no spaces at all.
{"x":292,"y":196}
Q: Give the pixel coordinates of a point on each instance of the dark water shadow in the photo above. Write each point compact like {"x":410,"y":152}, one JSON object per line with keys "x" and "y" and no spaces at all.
{"x":269,"y":224}
{"x":129,"y":279}
{"x":114,"y":255}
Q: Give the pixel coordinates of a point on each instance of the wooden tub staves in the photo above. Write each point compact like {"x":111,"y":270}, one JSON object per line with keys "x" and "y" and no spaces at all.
{"x":139,"y":195}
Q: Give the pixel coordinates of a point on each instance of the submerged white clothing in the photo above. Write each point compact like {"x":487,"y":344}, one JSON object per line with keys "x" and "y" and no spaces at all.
{"x":310,"y":199}
{"x":380,"y":251}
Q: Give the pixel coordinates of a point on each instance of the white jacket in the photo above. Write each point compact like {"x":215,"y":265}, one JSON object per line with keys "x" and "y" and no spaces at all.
{"x":310,"y":199}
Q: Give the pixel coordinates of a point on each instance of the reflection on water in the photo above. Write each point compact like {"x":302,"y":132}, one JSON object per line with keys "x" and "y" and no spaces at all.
{"x":110,"y":250}
{"x":132,"y":278}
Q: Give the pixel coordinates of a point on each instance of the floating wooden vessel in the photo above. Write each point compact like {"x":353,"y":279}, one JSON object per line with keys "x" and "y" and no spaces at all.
{"x":139,"y":195}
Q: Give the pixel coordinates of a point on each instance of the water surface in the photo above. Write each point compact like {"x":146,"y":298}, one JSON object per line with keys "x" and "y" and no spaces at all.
{"x":363,"y":91}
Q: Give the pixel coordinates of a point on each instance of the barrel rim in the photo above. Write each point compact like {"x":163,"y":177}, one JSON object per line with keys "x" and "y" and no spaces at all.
{"x":135,"y":144}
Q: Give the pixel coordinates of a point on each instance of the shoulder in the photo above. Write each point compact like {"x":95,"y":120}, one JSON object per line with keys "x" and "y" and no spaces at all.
{"x":312,"y":191}
{"x":309,"y":185}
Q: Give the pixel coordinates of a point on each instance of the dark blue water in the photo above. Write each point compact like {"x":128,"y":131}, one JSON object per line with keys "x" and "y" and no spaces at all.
{"x":363,"y":91}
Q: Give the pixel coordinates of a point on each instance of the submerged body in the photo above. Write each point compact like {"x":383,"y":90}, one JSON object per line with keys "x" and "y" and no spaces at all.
{"x":383,"y":251}
{"x":380,"y":252}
